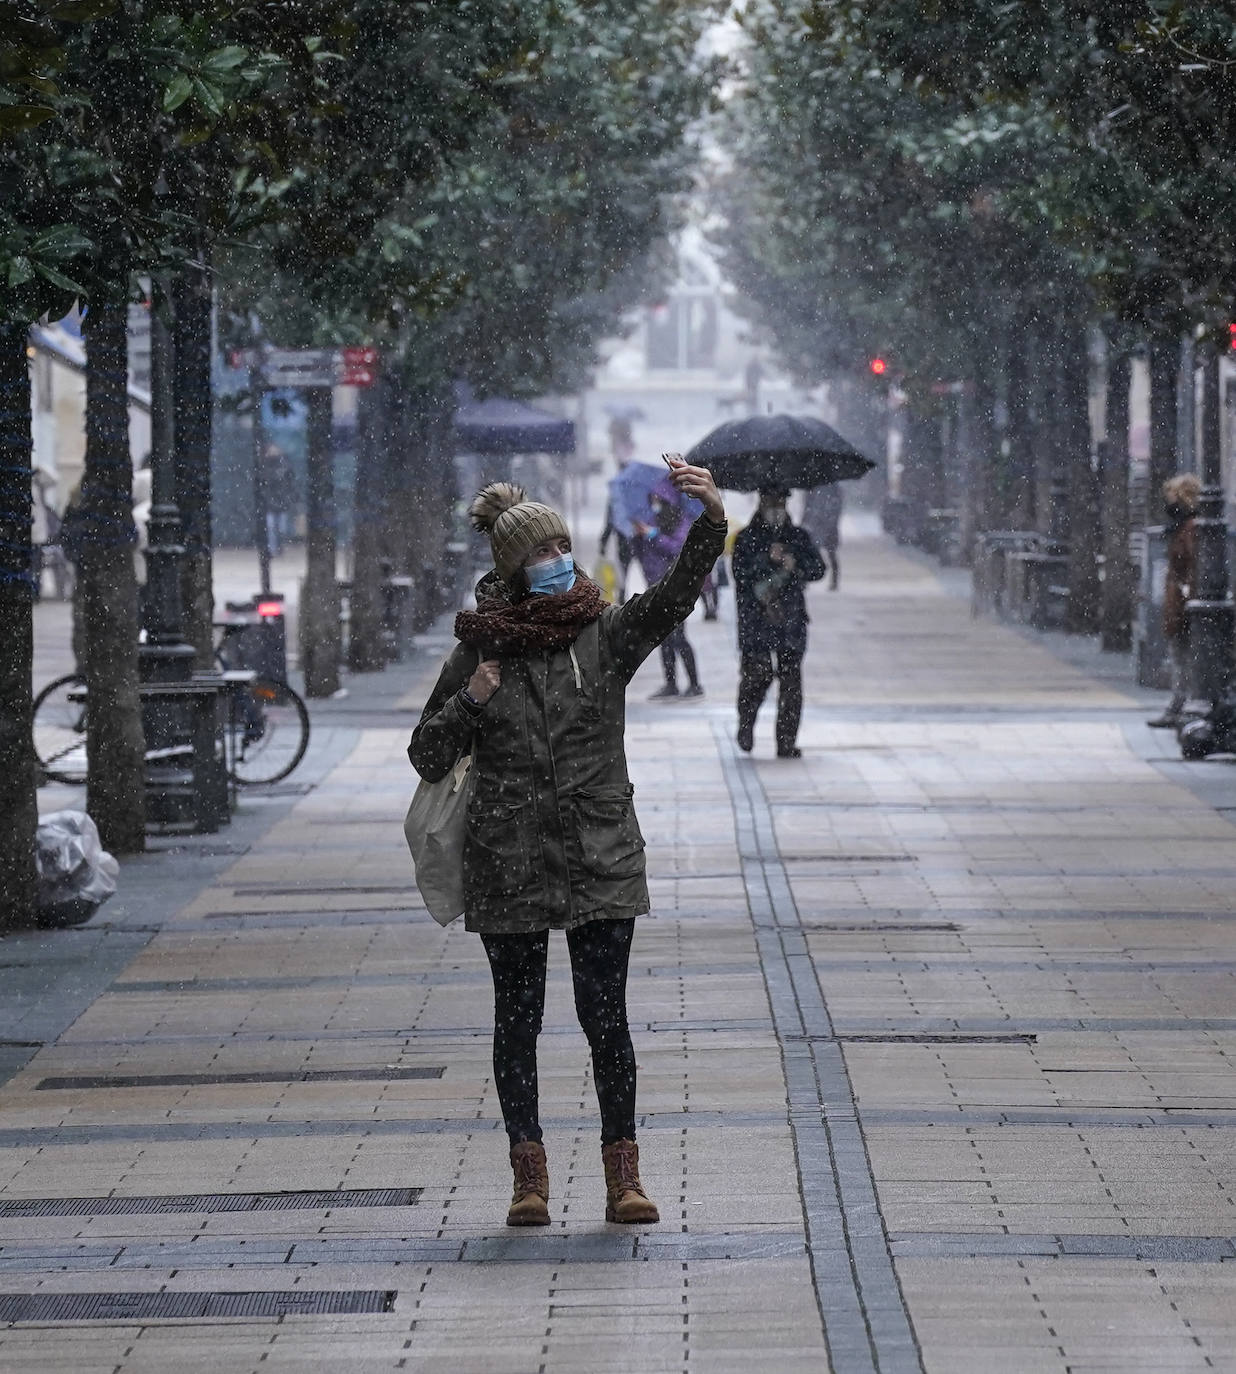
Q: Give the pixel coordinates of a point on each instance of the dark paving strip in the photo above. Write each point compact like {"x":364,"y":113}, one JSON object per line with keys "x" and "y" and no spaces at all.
{"x":131,"y":1307}
{"x":1033,"y":962}
{"x":193,"y":1080}
{"x":866,"y":1324}
{"x":876,"y":927}
{"x":35,"y":1137}
{"x":1037,"y":1025}
{"x":1137,"y":1118}
{"x":13,"y":1208}
{"x":319,"y":889}
{"x":236,"y":1252}
{"x":973,"y":1245}
{"x":276,"y":919}
{"x":412,"y":1034}
{"x":433,"y":978}
{"x":940,"y":1038}
{"x":966,"y":916}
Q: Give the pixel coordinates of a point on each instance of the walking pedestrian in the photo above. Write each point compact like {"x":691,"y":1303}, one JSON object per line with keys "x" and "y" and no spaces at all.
{"x":623,"y":546}
{"x":773,"y":560}
{"x":657,"y":547}
{"x":536,"y":689}
{"x":822,"y":520}
{"x":1180,"y":494}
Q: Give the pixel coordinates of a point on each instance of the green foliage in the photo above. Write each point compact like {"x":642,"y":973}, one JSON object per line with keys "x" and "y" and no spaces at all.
{"x":511,"y":209}
{"x":906,"y":172}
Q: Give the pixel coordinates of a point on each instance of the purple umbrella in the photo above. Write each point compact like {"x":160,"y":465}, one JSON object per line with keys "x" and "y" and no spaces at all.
{"x":630,"y":492}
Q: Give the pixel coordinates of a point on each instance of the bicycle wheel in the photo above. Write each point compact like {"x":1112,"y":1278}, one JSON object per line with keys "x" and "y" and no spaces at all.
{"x":268,"y":727}
{"x":60,"y":730}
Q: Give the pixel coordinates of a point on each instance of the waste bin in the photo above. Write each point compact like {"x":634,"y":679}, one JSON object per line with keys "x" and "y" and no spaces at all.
{"x":255,"y":636}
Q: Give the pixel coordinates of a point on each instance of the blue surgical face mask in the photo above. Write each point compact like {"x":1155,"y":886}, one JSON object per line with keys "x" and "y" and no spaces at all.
{"x":553,"y":576}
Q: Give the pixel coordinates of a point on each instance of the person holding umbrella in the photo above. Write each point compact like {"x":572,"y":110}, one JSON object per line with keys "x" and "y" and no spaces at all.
{"x":773,"y":560}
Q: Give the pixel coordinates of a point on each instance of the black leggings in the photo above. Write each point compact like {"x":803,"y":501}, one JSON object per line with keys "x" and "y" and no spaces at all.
{"x":599,"y":952}
{"x":676,"y":643}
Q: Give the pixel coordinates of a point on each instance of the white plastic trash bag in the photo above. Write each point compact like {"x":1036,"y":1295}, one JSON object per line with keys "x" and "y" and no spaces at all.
{"x":76,"y":875}
{"x":434,"y":829}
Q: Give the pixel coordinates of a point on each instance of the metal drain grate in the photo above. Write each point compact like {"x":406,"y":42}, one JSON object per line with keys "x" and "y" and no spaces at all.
{"x":193,"y":1080}
{"x":111,"y":1307}
{"x":13,"y":1208}
{"x":876,"y":927}
{"x":920,"y":1038}
{"x":941,"y":1038}
{"x":848,"y":858}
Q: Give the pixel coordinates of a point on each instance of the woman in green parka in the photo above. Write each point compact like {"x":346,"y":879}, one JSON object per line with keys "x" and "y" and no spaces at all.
{"x":537,"y":688}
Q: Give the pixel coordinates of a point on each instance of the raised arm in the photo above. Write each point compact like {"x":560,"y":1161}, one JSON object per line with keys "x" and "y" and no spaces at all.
{"x":447,"y":722}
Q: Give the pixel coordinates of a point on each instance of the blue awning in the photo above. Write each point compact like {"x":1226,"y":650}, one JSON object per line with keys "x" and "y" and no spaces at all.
{"x":499,"y":425}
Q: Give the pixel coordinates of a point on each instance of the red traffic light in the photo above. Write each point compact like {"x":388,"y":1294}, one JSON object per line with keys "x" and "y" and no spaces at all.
{"x":878,"y":366}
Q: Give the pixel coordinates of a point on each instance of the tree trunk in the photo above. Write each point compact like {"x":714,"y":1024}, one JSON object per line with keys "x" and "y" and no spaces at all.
{"x":365,"y":649}
{"x":427,"y":496}
{"x":1164,"y":376}
{"x":1117,"y":609}
{"x":1084,"y":530}
{"x":193,"y":404}
{"x":19,"y":811}
{"x":319,"y":609}
{"x":115,"y":747}
{"x":1021,"y":511}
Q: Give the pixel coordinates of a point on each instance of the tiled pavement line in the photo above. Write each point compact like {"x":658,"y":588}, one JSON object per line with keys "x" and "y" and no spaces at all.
{"x":866,"y":1322}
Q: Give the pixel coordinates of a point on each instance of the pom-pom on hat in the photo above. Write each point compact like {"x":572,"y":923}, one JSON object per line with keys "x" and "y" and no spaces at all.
{"x":514,"y":524}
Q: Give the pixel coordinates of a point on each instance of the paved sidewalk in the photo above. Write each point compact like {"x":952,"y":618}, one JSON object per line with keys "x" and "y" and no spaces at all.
{"x":935,"y":1031}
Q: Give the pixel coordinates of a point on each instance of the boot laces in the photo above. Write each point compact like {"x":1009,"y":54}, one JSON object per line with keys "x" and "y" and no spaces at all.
{"x":626,"y":1168}
{"x":527,"y":1169}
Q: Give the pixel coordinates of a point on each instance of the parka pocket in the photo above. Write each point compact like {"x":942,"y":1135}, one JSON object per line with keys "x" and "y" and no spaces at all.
{"x":610,"y":842}
{"x":497,"y":851}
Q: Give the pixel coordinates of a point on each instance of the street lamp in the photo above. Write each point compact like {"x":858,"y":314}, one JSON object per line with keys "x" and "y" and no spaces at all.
{"x":1211,"y":615}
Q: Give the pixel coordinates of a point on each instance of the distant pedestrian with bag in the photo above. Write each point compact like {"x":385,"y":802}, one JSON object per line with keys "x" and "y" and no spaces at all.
{"x":535,"y":690}
{"x":822,"y":508}
{"x":1181,"y":495}
{"x":773,"y":560}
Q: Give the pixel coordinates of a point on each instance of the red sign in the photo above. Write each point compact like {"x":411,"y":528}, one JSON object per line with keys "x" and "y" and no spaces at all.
{"x":358,"y":366}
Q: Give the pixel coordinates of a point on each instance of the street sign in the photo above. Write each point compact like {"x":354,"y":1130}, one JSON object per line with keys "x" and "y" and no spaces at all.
{"x":310,"y":367}
{"x":359,"y":366}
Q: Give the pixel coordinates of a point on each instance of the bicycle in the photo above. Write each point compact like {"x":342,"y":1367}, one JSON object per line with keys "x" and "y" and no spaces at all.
{"x":266,"y":732}
{"x":268,"y":723}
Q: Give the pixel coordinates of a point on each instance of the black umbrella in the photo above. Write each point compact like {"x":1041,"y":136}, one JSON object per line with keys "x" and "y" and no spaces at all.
{"x":777,"y":451}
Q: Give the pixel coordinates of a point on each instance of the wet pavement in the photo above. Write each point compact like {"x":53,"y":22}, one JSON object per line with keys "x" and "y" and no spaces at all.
{"x":935,"y":1030}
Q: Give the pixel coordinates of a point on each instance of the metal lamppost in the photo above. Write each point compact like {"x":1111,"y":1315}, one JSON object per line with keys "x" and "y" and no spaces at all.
{"x":186,"y":784}
{"x":1211,"y":615}
{"x":165,"y":657}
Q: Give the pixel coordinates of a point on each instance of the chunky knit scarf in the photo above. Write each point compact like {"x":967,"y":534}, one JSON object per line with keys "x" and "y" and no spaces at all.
{"x":502,"y":627}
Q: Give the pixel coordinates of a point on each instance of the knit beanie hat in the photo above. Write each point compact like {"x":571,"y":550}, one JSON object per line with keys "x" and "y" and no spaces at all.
{"x":514,"y":524}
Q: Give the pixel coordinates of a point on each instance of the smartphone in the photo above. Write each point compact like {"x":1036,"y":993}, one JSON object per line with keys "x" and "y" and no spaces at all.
{"x":669,"y":459}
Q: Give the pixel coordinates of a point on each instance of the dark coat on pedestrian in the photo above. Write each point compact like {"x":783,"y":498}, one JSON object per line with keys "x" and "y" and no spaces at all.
{"x":552,"y":836}
{"x":1181,"y":572}
{"x":822,"y":515}
{"x":772,"y":609}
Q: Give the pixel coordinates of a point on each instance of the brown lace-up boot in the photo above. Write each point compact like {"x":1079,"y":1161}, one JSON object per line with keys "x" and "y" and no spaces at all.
{"x":625,"y":1199}
{"x":529,"y":1202}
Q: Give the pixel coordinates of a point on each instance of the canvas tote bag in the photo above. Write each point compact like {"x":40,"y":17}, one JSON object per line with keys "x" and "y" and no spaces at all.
{"x":434,"y":829}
